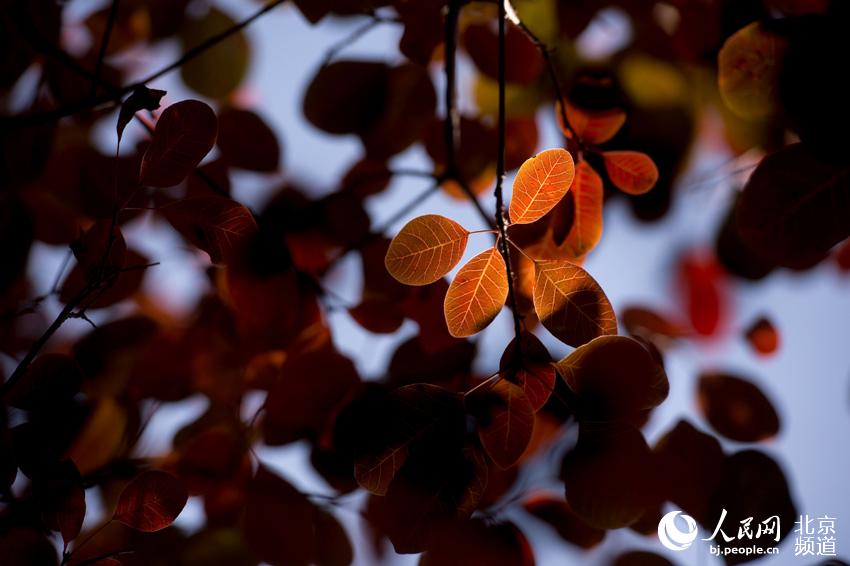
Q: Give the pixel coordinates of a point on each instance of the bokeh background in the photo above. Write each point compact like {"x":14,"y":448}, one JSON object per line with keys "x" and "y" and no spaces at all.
{"x":635,"y":263}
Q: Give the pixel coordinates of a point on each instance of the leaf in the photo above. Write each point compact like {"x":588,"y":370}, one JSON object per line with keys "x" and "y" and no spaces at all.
{"x":557,"y":513}
{"x":184,"y":134}
{"x":100,"y":250}
{"x":102,"y":437}
{"x":736,"y":408}
{"x":61,"y":498}
{"x":614,"y":378}
{"x":143,"y":98}
{"x":478,"y":541}
{"x":749,"y":64}
{"x":151,"y":501}
{"x":426,"y":249}
{"x":219,"y":70}
{"x":647,"y":323}
{"x":505,"y":420}
{"x":702,"y":282}
{"x":246,"y":141}
{"x":570,"y":303}
{"x":216,"y":225}
{"x":795,"y":206}
{"x":591,"y":126}
{"x":763,"y":336}
{"x":610,"y":476}
{"x":530,"y":367}
{"x":541,"y":182}
{"x":588,"y":196}
{"x":477,"y":294}
{"x":50,"y":380}
{"x":631,"y":171}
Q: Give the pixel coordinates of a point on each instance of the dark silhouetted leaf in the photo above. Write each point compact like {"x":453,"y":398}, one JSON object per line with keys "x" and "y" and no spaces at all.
{"x":184,"y":134}
{"x":143,"y":98}
{"x":478,"y":542}
{"x":736,"y":408}
{"x":51,"y":379}
{"x":505,"y":420}
{"x":217,"y":225}
{"x":530,"y":366}
{"x":246,"y":141}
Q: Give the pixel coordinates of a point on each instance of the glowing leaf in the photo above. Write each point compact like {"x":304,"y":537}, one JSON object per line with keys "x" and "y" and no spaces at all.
{"x":749,"y":64}
{"x":540,"y":183}
{"x":592,"y":127}
{"x":151,"y":501}
{"x":184,"y":134}
{"x":426,"y":248}
{"x":217,"y":225}
{"x":631,"y":171}
{"x":588,"y":196}
{"x":570,"y":303}
{"x":505,"y":421}
{"x":477,"y":294}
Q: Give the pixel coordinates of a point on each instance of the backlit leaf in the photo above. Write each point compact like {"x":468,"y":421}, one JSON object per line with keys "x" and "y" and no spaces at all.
{"x":151,"y":501}
{"x":592,"y":126}
{"x":763,"y":336}
{"x":749,"y":64}
{"x":736,"y":408}
{"x":505,"y":420}
{"x":570,"y":303}
{"x":184,"y":134}
{"x":217,"y":225}
{"x":541,"y":182}
{"x":477,"y":294}
{"x":588,"y":196}
{"x":631,"y":171}
{"x":426,"y":249}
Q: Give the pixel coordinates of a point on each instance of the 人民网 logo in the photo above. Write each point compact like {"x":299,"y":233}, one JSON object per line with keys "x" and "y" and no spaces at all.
{"x":672,"y":536}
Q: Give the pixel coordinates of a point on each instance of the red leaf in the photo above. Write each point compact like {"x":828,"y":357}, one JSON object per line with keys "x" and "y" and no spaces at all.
{"x":763,"y":336}
{"x":531,"y":367}
{"x":505,"y":420}
{"x":151,"y":501}
{"x":217,"y":225}
{"x":184,"y":134}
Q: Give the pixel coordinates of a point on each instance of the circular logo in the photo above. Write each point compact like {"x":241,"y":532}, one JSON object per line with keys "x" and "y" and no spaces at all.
{"x":671,"y":536}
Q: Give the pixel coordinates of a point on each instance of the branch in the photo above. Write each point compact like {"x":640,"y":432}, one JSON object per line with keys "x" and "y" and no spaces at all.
{"x":114,"y":98}
{"x":451,"y":127}
{"x":104,"y":45}
{"x":502,"y":242}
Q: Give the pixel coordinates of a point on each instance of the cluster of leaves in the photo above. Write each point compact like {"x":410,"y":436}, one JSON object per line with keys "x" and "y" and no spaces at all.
{"x":437,"y":446}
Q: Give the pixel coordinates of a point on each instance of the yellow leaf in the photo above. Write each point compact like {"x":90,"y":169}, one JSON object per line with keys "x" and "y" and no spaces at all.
{"x":426,"y":248}
{"x":477,"y":294}
{"x":540,"y":184}
{"x":570,"y":303}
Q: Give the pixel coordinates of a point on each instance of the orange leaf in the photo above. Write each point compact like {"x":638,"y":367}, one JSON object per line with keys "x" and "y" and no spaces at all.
{"x":540,"y":183}
{"x":592,"y":127}
{"x":570,"y":303}
{"x":151,"y":501}
{"x":477,"y":294}
{"x":184,"y":134}
{"x":426,"y":248}
{"x":505,"y":421}
{"x":587,"y":216}
{"x":631,"y":171}
{"x":763,"y":336}
{"x":217,"y":225}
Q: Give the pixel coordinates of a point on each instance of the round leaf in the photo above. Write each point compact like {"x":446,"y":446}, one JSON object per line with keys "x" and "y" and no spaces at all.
{"x":570,"y":303}
{"x":631,"y":171}
{"x":588,"y":196}
{"x":426,"y":248}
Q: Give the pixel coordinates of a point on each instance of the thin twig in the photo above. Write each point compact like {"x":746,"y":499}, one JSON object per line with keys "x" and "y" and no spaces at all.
{"x":451,"y":127}
{"x":502,"y":241}
{"x":356,"y":34}
{"x":104,"y":45}
{"x":114,"y":97}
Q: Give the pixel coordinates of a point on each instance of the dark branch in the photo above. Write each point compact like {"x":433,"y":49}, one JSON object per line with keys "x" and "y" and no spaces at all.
{"x":104,"y":45}
{"x":502,"y":242}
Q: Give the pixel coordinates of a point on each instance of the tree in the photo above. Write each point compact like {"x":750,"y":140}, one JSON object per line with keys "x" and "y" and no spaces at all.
{"x":434,"y":448}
